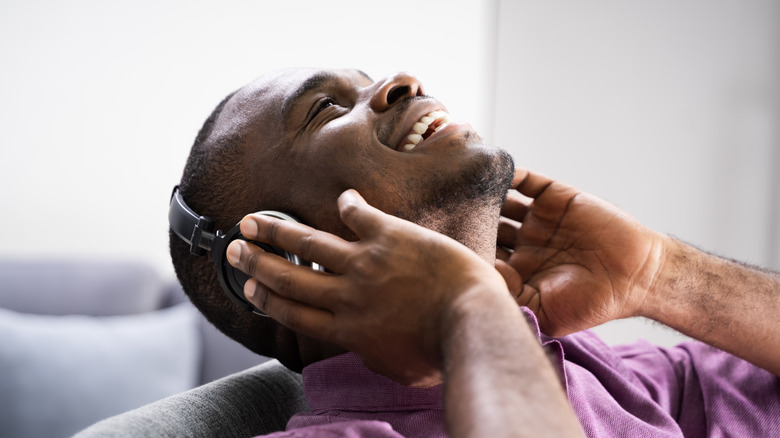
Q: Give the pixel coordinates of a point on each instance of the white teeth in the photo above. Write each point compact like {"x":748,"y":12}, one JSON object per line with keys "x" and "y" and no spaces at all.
{"x":420,"y":128}
{"x":414,"y":138}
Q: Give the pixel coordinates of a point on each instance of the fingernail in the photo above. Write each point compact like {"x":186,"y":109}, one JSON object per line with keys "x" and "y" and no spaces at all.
{"x":249,"y":289}
{"x":348,"y":197}
{"x":249,"y":228}
{"x":234,"y":252}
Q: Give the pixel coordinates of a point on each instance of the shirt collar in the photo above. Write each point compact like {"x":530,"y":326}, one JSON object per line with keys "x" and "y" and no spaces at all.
{"x":344,"y":383}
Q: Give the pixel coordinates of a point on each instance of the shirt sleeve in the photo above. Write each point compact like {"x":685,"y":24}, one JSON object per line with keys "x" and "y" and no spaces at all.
{"x":709,"y":392}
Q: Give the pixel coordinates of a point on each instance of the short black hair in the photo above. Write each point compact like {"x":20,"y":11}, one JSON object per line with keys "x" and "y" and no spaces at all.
{"x":214,"y":184}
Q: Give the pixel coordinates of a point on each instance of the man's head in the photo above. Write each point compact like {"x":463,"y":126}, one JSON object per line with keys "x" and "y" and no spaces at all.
{"x":294,"y":140}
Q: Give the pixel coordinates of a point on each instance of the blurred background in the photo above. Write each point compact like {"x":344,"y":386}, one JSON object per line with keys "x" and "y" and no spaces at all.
{"x":668,"y":109}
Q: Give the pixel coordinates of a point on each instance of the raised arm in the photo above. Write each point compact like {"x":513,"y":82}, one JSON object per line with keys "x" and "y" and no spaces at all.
{"x":724,"y":303}
{"x":585,"y":262}
{"x":414,"y":304}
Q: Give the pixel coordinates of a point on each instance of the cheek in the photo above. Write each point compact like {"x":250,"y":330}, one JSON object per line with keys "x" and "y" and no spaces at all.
{"x":347,"y":154}
{"x":344,"y":155}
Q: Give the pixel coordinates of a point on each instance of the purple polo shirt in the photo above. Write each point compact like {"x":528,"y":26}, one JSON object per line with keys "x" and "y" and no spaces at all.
{"x":636,"y":390}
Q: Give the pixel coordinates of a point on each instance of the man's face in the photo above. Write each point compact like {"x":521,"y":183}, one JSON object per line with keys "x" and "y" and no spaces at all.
{"x":315,"y":133}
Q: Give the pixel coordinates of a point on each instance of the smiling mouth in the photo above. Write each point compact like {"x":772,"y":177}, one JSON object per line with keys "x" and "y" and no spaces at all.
{"x":424,"y":128}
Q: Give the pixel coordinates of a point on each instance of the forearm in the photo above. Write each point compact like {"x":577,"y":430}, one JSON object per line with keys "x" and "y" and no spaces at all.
{"x":723,"y":303}
{"x":497,"y":379}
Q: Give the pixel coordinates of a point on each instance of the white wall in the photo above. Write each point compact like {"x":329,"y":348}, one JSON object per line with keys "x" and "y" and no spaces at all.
{"x":668,"y":109}
{"x":100,"y":101}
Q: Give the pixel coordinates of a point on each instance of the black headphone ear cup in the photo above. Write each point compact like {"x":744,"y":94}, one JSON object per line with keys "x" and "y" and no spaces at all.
{"x":233,"y":279}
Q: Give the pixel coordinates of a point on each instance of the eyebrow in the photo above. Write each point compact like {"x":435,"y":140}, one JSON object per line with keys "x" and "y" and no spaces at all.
{"x":313,"y":82}
{"x":306,"y":87}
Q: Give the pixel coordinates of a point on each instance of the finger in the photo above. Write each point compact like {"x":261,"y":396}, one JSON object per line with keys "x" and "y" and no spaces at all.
{"x":514,"y":207}
{"x":299,"y":283}
{"x":513,"y":281}
{"x":299,"y":317}
{"x":551,"y":198}
{"x":529,"y":297}
{"x":507,"y":233}
{"x":503,"y":253}
{"x":518,"y":177}
{"x":527,"y":259}
{"x":533,"y":184}
{"x":359,"y":216}
{"x":312,"y":245}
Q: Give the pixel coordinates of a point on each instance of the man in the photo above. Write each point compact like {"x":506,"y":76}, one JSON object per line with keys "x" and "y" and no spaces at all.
{"x":416,"y":304}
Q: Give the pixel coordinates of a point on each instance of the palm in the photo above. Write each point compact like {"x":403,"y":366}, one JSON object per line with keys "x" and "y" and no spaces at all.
{"x":580,"y":259}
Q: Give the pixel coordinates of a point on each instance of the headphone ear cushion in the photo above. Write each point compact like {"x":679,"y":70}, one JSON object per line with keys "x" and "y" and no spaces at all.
{"x":233,"y":279}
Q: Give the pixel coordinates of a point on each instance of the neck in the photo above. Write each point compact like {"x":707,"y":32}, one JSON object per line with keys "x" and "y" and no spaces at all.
{"x":476,"y":230}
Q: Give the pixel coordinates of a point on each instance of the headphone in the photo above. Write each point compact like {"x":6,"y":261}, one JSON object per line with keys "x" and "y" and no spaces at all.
{"x":198,"y":232}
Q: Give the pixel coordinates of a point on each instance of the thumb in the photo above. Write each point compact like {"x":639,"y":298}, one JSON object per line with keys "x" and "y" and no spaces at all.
{"x":360,"y":217}
{"x":513,"y":281}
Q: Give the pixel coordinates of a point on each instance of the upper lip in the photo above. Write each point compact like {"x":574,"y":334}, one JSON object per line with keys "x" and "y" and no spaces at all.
{"x":404,"y":121}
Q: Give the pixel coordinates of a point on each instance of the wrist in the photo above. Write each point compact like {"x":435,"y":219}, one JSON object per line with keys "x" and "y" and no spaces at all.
{"x":477,"y":319}
{"x":655,"y":274}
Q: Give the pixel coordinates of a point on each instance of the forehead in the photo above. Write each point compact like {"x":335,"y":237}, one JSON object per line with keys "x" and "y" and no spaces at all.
{"x":267,"y":99}
{"x":282,"y":88}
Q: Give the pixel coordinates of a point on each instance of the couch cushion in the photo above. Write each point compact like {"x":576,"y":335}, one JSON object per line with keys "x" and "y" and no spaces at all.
{"x":86,"y":287}
{"x":253,"y":402}
{"x":62,"y":373}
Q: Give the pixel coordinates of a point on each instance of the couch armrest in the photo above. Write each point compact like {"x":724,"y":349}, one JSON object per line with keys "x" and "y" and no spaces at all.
{"x":253,"y":402}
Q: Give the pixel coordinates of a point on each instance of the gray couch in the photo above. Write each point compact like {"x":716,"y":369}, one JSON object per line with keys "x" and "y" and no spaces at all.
{"x":253,"y":402}
{"x":84,"y":340}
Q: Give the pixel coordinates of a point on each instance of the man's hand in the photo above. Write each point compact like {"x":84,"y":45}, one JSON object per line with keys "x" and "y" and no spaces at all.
{"x":414,"y":304}
{"x":386,"y":296}
{"x":583,"y":262}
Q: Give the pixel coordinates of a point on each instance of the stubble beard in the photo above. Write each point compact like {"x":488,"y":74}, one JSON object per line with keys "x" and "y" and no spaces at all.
{"x":466,"y":205}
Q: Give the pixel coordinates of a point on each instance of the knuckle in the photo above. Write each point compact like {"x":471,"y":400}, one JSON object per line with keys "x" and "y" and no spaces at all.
{"x":264,"y":301}
{"x":291,"y":318}
{"x":370,"y":261}
{"x":361,"y":266}
{"x":272,"y":230}
{"x":284,"y":283}
{"x":306,"y":245}
{"x":349,"y":213}
{"x":377,"y":255}
{"x":257,"y":294}
{"x":251,"y":262}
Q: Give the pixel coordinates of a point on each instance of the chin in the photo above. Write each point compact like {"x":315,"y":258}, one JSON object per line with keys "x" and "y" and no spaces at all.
{"x":466,"y":205}
{"x":482,"y":181}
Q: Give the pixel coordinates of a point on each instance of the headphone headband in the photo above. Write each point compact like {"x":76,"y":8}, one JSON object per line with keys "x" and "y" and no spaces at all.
{"x":192,"y":228}
{"x":198,"y":232}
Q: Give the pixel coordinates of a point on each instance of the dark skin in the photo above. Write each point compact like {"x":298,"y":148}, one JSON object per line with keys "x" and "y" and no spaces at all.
{"x":380,"y":300}
{"x":574,"y":259}
{"x":311,"y":134}
{"x":559,"y":239}
{"x":345,"y":132}
{"x":585,"y":262}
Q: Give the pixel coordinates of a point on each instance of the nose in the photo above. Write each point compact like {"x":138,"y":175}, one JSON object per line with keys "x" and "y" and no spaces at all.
{"x":395,"y":89}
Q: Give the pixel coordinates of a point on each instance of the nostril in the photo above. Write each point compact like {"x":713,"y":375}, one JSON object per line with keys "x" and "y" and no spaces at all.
{"x":397,"y":93}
